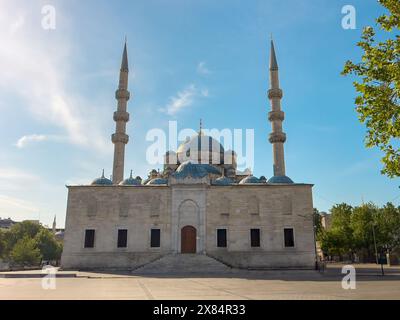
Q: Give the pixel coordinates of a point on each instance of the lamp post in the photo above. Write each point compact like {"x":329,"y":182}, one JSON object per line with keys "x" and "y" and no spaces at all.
{"x":376,"y":250}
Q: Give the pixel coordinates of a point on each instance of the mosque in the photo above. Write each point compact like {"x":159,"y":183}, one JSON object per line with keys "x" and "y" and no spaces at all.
{"x":200,"y":205}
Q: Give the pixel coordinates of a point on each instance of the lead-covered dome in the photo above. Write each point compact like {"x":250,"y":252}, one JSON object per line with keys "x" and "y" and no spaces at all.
{"x":195,"y":170}
{"x":201,"y":148}
{"x":131,"y":181}
{"x":250,"y":180}
{"x":157,"y":181}
{"x":102,"y":181}
{"x":223,"y":181}
{"x":280,"y":180}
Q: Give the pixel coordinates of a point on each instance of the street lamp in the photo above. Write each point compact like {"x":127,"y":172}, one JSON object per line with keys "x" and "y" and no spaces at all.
{"x":376,"y":250}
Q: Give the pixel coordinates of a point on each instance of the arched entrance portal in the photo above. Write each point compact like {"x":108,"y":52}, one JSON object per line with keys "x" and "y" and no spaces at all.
{"x":188,"y":239}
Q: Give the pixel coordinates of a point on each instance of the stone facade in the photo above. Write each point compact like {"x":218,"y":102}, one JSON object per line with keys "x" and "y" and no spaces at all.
{"x":205,"y":207}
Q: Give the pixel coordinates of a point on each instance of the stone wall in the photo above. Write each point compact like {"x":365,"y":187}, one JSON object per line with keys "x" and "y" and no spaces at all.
{"x":239,"y":208}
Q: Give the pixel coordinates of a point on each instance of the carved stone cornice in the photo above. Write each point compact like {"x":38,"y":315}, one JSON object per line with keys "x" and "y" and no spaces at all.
{"x":122,"y":94}
{"x":276,"y":115}
{"x":119,"y":137}
{"x":121,"y":116}
{"x":275,"y":137}
{"x":275,"y":93}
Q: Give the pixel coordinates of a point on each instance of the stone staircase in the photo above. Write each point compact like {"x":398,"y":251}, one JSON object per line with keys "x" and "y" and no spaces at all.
{"x":184,"y":264}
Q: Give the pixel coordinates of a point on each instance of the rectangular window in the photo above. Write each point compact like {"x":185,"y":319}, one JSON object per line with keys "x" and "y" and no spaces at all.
{"x":155,"y":238}
{"x":122,"y":238}
{"x":255,"y":237}
{"x":221,"y":238}
{"x":289,"y":237}
{"x":89,"y":238}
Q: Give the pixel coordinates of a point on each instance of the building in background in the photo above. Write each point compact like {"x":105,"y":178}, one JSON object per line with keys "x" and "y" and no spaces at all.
{"x":6,"y":223}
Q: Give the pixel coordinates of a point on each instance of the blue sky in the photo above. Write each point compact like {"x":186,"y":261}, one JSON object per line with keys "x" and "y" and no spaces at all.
{"x":57,"y":92}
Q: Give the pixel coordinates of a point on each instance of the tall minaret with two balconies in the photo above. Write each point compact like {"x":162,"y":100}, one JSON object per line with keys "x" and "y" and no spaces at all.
{"x":276,"y":116}
{"x":121,"y":117}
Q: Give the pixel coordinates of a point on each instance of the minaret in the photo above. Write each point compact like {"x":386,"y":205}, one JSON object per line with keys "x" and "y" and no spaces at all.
{"x":277,"y":137}
{"x":121,"y":117}
{"x":54,"y":229}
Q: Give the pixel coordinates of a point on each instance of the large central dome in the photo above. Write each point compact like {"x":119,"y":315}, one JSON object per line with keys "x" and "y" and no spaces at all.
{"x":201,"y":148}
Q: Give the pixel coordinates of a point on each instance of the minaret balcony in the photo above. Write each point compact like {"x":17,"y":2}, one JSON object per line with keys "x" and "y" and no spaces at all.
{"x":122,"y":94}
{"x":120,"y":137}
{"x":276,"y":115}
{"x":275,"y":93}
{"x":121,"y":116}
{"x":275,"y":137}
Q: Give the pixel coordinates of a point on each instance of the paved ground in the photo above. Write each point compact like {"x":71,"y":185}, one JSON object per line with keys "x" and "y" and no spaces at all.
{"x":240,"y":285}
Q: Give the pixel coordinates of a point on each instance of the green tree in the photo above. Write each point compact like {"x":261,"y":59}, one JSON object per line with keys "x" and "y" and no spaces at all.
{"x":2,"y":243}
{"x":25,"y":252}
{"x":338,"y":240}
{"x":318,"y":224}
{"x":19,"y":231}
{"x":378,"y":103}
{"x":364,"y":226}
{"x":388,"y":227}
{"x":49,"y":247}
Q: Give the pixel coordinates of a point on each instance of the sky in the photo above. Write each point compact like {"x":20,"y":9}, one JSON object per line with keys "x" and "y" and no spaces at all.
{"x":188,"y":60}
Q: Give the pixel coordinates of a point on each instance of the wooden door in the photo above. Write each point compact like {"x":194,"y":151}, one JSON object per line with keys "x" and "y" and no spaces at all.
{"x":188,"y":239}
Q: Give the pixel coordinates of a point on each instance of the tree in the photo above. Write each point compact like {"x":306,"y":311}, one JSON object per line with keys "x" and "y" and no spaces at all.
{"x":338,"y":240}
{"x":49,"y":247}
{"x":363,"y":224}
{"x":317,"y":224}
{"x":2,"y":243}
{"x":20,"y":230}
{"x":25,"y":252}
{"x":378,"y":102}
{"x":388,"y":227}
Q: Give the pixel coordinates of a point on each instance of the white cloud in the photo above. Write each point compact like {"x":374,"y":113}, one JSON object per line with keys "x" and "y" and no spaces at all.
{"x":28,"y":139}
{"x":202,"y":68}
{"x":8,"y":175}
{"x":35,"y":68}
{"x":184,"y":99}
{"x":12,"y":206}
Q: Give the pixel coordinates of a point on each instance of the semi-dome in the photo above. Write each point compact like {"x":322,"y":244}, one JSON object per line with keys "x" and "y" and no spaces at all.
{"x":102,"y":181}
{"x":130,"y":181}
{"x":157,"y":181}
{"x":250,"y":180}
{"x":195,"y":170}
{"x":280,"y":179}
{"x":263,"y":179}
{"x":223,"y":181}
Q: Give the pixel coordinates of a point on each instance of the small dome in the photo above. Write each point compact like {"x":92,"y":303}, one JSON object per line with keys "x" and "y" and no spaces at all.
{"x":263,"y":179}
{"x":59,"y":235}
{"x":195,"y":170}
{"x":223,"y":181}
{"x":281,"y":180}
{"x":250,"y":180}
{"x":157,"y":181}
{"x":102,"y":181}
{"x":131,"y":181}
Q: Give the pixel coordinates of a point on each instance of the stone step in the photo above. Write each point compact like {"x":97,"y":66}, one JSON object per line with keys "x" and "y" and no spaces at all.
{"x":184,"y":264}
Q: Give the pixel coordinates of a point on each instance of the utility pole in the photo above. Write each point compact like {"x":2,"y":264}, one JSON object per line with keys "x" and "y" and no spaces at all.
{"x":376,"y":250}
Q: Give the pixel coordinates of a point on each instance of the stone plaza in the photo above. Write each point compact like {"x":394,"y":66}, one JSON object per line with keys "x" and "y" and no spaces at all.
{"x":254,"y":285}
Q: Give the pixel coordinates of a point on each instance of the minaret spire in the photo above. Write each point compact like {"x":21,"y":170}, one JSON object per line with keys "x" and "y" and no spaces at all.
{"x":121,"y":117}
{"x":277,"y":137}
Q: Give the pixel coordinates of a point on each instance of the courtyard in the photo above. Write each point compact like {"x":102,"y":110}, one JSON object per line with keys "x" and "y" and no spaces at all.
{"x":247,"y":285}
